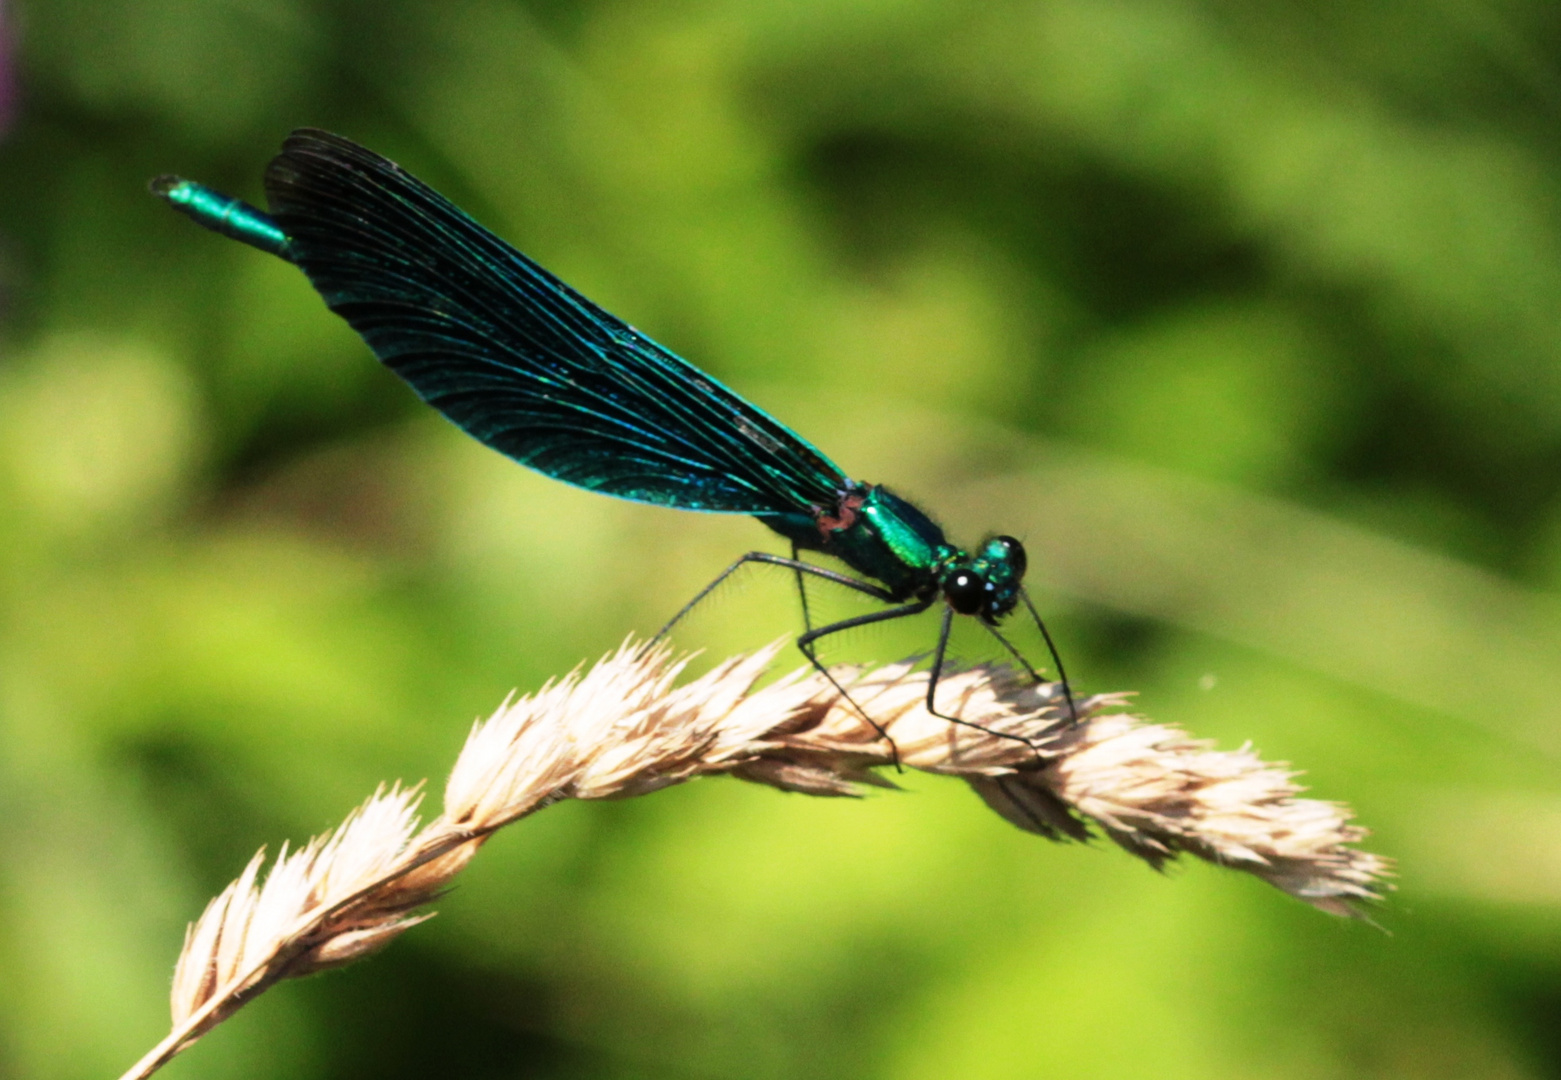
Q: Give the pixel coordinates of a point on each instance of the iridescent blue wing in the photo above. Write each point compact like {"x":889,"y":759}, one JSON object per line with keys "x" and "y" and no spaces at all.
{"x":517,"y":358}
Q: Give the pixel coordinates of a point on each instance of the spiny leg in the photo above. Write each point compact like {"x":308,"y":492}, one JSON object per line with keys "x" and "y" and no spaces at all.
{"x":802,"y":591}
{"x":806,"y":644}
{"x":796,"y":565}
{"x":1062,"y":679}
{"x":1062,"y":674}
{"x":937,"y":673}
{"x":1013,"y":652}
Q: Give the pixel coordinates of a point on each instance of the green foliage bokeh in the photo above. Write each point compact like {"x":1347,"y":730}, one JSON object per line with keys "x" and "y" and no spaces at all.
{"x":1246,"y":316}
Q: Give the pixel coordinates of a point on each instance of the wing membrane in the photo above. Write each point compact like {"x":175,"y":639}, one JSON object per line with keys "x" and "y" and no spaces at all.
{"x":517,"y":358}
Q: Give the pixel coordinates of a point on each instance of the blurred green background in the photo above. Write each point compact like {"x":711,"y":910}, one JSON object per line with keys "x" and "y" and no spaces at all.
{"x":1244,"y":314}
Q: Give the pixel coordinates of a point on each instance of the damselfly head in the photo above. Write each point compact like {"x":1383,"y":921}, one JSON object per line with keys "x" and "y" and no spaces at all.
{"x":988,"y":583}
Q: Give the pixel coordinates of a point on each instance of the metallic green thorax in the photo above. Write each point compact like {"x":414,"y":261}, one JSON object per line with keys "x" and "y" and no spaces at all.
{"x":224,"y":214}
{"x":910,"y":536}
{"x":884,"y":537}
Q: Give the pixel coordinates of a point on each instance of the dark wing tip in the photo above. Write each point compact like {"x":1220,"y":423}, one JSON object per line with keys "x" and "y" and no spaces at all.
{"x":311,"y":149}
{"x":304,"y":135}
{"x":310,"y":156}
{"x":320,"y":141}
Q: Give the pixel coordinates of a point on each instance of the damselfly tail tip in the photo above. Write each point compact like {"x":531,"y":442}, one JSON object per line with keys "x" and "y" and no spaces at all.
{"x":167,"y":186}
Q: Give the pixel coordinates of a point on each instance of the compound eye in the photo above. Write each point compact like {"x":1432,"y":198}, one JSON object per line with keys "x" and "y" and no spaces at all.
{"x":965,"y":591}
{"x":1013,"y":551}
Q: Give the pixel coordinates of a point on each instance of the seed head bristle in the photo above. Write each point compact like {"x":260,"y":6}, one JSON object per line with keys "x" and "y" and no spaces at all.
{"x":624,"y":727}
